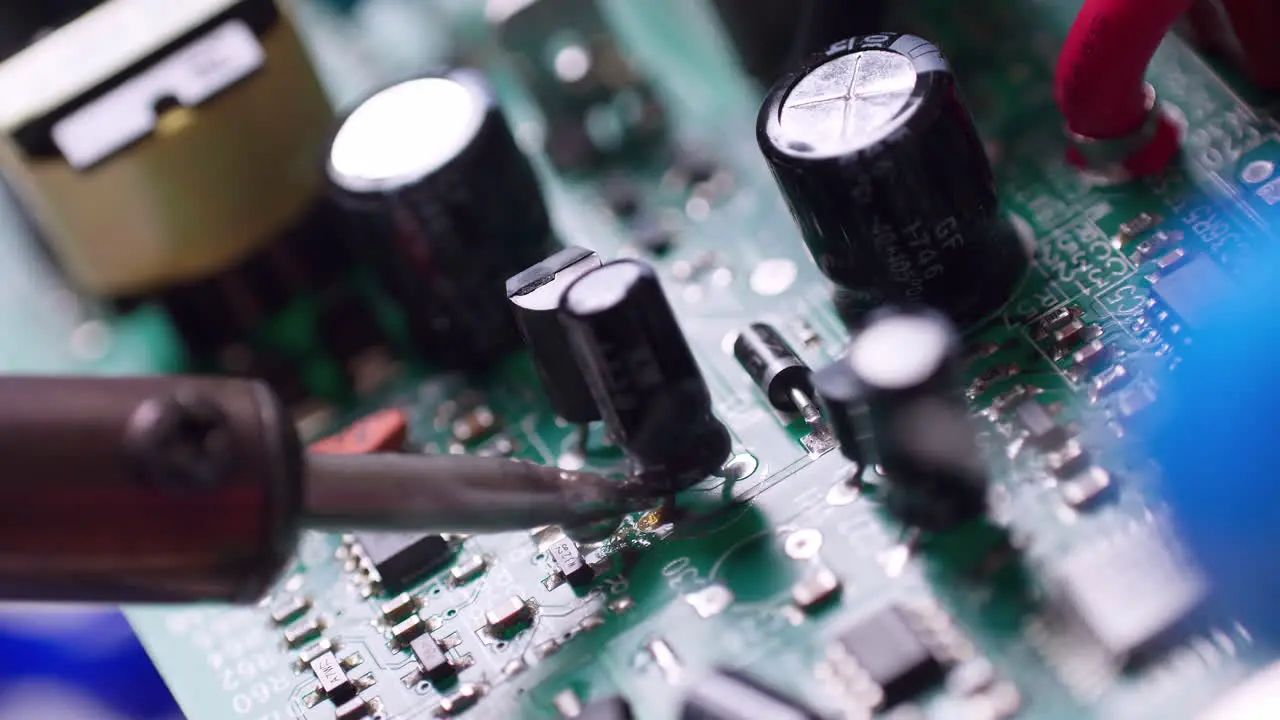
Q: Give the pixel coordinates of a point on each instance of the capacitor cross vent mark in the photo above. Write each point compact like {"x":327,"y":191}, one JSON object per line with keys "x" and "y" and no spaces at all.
{"x":880,"y":163}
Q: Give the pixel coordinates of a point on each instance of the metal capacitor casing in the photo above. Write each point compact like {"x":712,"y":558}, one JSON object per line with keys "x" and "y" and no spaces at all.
{"x":883,"y":170}
{"x":96,"y":506}
{"x":535,"y":296}
{"x":908,"y":364}
{"x":444,"y":207}
{"x":643,"y":375}
{"x":773,"y":366}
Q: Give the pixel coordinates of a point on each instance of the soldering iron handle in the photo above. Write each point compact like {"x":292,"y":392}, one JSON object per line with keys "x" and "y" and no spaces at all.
{"x":153,"y":489}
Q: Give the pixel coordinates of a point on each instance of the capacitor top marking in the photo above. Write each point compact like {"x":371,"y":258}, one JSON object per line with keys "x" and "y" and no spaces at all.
{"x":884,"y":172}
{"x":404,"y":133}
{"x":848,"y":103}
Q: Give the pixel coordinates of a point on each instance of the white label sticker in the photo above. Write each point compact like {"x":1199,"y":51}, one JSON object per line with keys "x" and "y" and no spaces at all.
{"x":189,"y":76}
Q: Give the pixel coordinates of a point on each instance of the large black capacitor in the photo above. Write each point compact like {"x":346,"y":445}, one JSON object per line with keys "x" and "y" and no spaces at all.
{"x":908,"y":366}
{"x":445,"y":208}
{"x":535,"y":296}
{"x":642,"y":373}
{"x":772,"y":36}
{"x":883,"y":170}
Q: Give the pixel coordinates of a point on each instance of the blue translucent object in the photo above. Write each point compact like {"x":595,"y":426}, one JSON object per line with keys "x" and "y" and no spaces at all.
{"x":76,"y":663}
{"x":1217,"y":438}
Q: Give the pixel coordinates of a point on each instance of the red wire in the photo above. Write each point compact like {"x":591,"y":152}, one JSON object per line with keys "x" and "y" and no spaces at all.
{"x":1100,"y":77}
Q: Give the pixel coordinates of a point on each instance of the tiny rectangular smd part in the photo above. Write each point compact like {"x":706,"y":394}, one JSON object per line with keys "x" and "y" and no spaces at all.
{"x":467,"y":569}
{"x":1188,"y":291}
{"x":461,"y":701}
{"x":435,"y":664}
{"x":815,"y":589}
{"x":892,"y":653}
{"x":1129,"y":594}
{"x":508,"y":615}
{"x":568,"y":560}
{"x":334,"y":682}
{"x":354,"y":709}
{"x":399,"y":608}
{"x":290,"y":610}
{"x":401,"y":559}
{"x":408,"y":630}
{"x":299,"y":635}
{"x":1043,"y":432}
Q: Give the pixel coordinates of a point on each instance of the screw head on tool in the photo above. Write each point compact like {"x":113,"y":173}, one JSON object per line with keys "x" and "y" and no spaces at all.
{"x":181,"y":442}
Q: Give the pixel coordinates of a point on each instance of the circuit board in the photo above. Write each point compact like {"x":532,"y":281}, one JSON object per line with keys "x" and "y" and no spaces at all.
{"x":673,"y":601}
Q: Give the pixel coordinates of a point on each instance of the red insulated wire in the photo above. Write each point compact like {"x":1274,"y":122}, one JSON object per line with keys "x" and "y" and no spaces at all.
{"x":1100,"y":77}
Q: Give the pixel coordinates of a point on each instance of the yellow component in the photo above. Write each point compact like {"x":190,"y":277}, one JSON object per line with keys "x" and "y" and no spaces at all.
{"x":174,"y":121}
{"x":205,"y":189}
{"x":651,"y":520}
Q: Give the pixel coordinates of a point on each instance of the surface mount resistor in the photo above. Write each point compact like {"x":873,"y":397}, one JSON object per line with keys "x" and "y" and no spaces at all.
{"x":776,"y":369}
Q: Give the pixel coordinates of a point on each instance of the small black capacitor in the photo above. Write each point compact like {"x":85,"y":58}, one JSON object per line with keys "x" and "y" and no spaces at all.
{"x":880,"y":163}
{"x":642,"y":373}
{"x":444,"y":207}
{"x":843,"y":401}
{"x":535,"y":298}
{"x":908,"y":364}
{"x":776,"y":370}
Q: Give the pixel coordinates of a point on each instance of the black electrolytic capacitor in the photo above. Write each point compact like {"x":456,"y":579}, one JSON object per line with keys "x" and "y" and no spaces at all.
{"x":908,"y":364}
{"x":643,"y":375}
{"x":772,"y":36}
{"x":844,"y":403}
{"x":535,"y":296}
{"x":884,"y":172}
{"x":776,"y":370}
{"x":444,"y":207}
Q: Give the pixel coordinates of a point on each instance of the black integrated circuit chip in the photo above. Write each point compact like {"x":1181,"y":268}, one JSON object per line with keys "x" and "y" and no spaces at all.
{"x":1132,"y":595}
{"x":889,"y":649}
{"x":1188,"y":291}
{"x":402,"y":559}
{"x":435,"y":664}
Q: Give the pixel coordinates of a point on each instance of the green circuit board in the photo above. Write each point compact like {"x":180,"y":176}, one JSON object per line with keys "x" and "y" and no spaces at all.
{"x":716,"y":589}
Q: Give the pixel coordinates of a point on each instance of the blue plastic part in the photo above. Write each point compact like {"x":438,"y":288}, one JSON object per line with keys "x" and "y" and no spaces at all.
{"x":1217,"y":437}
{"x":92,"y":654}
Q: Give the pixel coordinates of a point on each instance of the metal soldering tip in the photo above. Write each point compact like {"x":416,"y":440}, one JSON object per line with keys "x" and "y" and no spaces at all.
{"x":456,"y":493}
